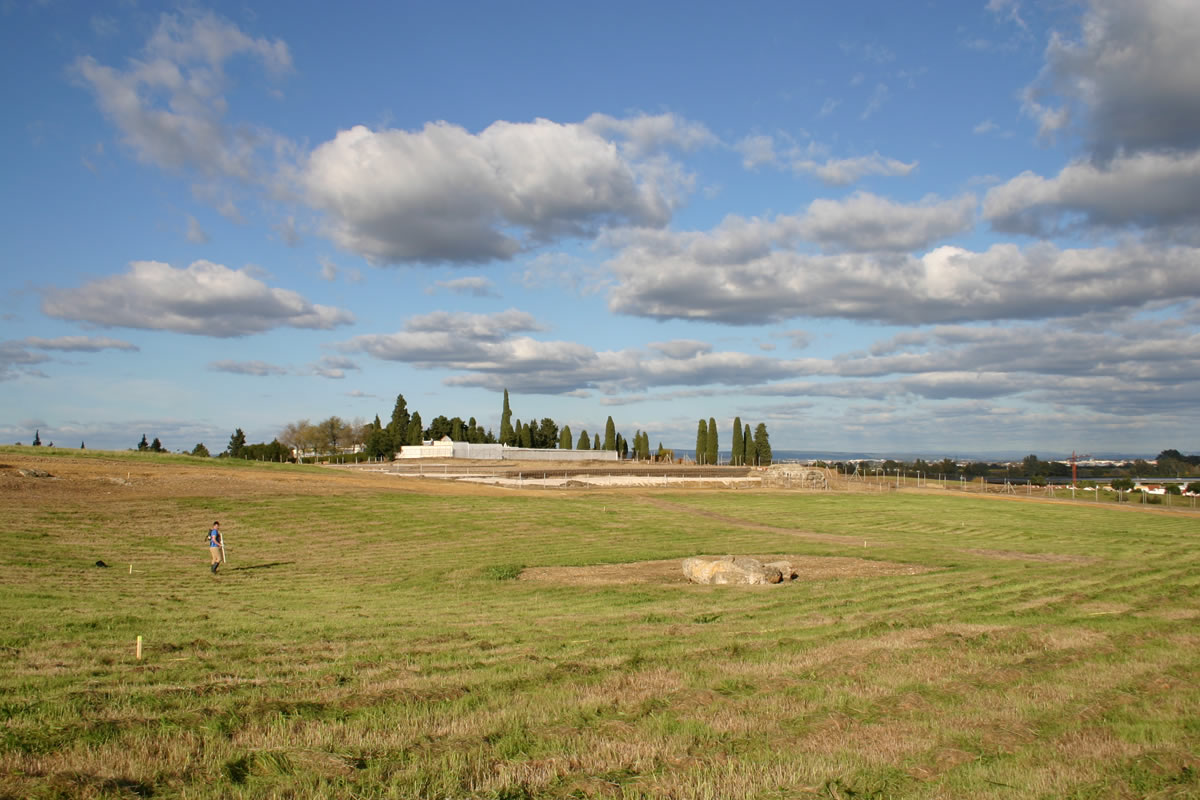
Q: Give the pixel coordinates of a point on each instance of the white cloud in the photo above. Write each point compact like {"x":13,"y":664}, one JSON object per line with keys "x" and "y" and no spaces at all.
{"x":645,"y":135}
{"x":865,"y":221}
{"x":443,"y":194}
{"x":17,"y":358}
{"x":987,"y":126}
{"x":812,"y":159}
{"x":474,"y":286}
{"x":1007,"y":10}
{"x":256,"y":368}
{"x":757,"y":150}
{"x":1133,"y":75}
{"x":843,"y":171}
{"x":196,"y":234}
{"x":681,"y":348}
{"x":828,"y":107}
{"x":879,"y":96}
{"x":169,"y":105}
{"x":747,"y":273}
{"x":79,"y":344}
{"x":1152,"y":190}
{"x":204,"y":299}
{"x":329,"y":269}
{"x":334,"y":367}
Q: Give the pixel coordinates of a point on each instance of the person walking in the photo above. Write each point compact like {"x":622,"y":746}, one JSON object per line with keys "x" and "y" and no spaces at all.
{"x":214,"y":546}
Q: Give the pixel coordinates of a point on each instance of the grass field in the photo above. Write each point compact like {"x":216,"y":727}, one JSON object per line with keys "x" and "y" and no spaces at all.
{"x":376,"y":637}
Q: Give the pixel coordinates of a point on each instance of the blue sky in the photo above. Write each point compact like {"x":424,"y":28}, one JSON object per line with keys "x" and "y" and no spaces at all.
{"x":945,"y":227}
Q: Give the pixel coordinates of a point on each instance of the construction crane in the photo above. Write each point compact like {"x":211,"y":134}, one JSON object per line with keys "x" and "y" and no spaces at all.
{"x":1074,"y":469}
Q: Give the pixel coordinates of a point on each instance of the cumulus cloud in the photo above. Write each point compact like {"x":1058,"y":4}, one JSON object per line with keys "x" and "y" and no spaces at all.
{"x":1150,"y":190}
{"x":643,"y":135}
{"x":747,"y":273}
{"x":169,"y":104}
{"x":866,"y":221}
{"x":1132,"y":77}
{"x":204,"y":299}
{"x":443,"y":194}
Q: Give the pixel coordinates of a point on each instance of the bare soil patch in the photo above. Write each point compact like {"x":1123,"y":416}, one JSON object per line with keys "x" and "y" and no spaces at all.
{"x":670,"y":571}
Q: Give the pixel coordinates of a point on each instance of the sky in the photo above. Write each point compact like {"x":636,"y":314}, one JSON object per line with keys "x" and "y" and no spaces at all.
{"x":947,"y":227}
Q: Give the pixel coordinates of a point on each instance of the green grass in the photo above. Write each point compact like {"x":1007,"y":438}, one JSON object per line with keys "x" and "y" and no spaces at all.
{"x":376,"y":644}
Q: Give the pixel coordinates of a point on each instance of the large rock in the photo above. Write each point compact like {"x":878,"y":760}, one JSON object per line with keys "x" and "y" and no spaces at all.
{"x":730,"y":570}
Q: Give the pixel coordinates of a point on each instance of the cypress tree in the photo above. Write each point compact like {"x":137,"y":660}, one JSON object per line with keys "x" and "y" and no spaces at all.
{"x":398,"y":426}
{"x":584,"y":442}
{"x":564,"y":438}
{"x":762,"y":446}
{"x":610,"y":435}
{"x":416,"y":433}
{"x":712,"y":449}
{"x":596,"y":443}
{"x":748,"y":456}
{"x":701,"y":442}
{"x":506,"y":428}
{"x":738,"y":456}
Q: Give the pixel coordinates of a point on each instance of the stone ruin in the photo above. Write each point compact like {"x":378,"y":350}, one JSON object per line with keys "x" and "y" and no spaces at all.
{"x":795,"y":476}
{"x":736,"y":570}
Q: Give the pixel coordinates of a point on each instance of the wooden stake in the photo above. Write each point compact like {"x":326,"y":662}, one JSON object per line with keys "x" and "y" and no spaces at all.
{"x":139,"y":648}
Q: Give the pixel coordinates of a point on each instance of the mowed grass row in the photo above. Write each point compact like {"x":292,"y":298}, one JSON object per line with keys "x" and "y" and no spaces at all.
{"x":361,"y":645}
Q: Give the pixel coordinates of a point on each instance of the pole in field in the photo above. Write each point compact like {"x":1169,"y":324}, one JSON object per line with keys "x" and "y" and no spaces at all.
{"x":138,"y":650}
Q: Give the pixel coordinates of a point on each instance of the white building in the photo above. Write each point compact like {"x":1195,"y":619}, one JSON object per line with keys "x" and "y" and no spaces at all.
{"x":448,"y":448}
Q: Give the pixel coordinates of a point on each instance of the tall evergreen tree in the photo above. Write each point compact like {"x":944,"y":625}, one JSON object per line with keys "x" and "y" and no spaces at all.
{"x":416,"y":433}
{"x":379,"y":441}
{"x":397,"y":428}
{"x":701,"y":441}
{"x":610,"y":435}
{"x":506,"y":428}
{"x":584,"y":443}
{"x":144,"y":445}
{"x":712,"y":449}
{"x":564,"y":438}
{"x":37,"y":437}
{"x":546,"y":435}
{"x":236,"y":443}
{"x":738,"y":455}
{"x":622,"y":447}
{"x":762,"y":445}
{"x":596,"y":442}
{"x":526,"y":436}
{"x":156,"y":446}
{"x":748,"y":456}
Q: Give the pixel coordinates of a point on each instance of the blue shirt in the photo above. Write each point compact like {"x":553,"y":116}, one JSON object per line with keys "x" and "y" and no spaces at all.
{"x":214,"y":538}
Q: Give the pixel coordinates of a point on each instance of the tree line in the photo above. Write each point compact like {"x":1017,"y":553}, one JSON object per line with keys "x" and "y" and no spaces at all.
{"x":377,"y":440}
{"x":745,"y":450}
